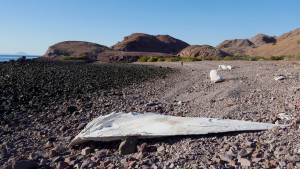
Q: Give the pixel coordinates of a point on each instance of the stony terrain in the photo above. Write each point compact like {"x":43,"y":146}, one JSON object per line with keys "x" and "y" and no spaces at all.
{"x":45,"y":104}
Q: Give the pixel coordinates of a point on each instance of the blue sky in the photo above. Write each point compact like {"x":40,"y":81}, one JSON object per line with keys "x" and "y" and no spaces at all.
{"x":31,"y":26}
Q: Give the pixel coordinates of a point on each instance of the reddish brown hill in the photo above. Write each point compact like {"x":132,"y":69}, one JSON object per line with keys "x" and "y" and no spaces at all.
{"x":289,"y":35}
{"x":139,"y":42}
{"x":287,"y":44}
{"x":236,"y":47}
{"x":235,"y":43}
{"x":75,"y":48}
{"x":99,"y":52}
{"x":202,"y":51}
{"x":262,"y":39}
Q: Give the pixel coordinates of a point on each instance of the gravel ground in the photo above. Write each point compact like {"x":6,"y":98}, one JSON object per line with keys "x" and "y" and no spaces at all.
{"x":45,"y":104}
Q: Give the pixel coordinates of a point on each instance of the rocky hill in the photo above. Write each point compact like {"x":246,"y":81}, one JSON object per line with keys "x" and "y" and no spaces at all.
{"x":201,"y":51}
{"x":262,"y":39}
{"x":236,"y":47}
{"x":139,"y":42}
{"x":286,"y":44}
{"x":264,"y":45}
{"x":75,"y":48}
{"x":291,"y":34}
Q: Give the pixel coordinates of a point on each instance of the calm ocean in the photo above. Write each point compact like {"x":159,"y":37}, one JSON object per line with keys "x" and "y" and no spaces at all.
{"x":15,"y":57}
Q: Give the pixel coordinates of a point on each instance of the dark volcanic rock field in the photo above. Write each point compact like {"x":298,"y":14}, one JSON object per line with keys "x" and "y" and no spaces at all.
{"x":42,"y":100}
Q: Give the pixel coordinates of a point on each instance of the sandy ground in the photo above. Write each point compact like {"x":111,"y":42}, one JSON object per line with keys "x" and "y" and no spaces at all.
{"x":249,"y":88}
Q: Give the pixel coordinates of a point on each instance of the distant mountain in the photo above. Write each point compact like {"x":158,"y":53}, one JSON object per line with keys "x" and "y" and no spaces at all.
{"x":21,"y":53}
{"x":236,"y":47}
{"x":286,"y":44}
{"x":264,"y":45}
{"x":141,"y":42}
{"x":76,"y":49}
{"x":262,"y":39}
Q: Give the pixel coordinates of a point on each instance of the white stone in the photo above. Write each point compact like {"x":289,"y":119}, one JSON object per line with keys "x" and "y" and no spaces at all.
{"x":223,"y":67}
{"x":279,"y":78}
{"x":214,"y":77}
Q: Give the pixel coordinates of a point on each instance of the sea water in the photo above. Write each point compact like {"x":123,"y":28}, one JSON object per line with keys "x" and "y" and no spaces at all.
{"x":15,"y":57}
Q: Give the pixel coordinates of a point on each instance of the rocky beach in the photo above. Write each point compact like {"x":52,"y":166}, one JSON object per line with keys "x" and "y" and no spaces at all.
{"x":45,"y":104}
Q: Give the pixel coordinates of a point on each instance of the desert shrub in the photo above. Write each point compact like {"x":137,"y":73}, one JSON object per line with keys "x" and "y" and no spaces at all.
{"x":231,"y":58}
{"x":207,"y":58}
{"x":152,"y":59}
{"x":288,"y":57}
{"x":276,"y":57}
{"x":258,"y":58}
{"x":297,"y":57}
{"x":252,"y":59}
{"x":161,"y":59}
{"x":249,"y":58}
{"x":63,"y":57}
{"x":219,"y":58}
{"x":143,"y":59}
{"x":82,"y":57}
{"x":172,"y":59}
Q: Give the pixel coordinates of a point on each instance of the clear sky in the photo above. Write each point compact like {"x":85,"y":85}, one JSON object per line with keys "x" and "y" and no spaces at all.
{"x":31,"y":26}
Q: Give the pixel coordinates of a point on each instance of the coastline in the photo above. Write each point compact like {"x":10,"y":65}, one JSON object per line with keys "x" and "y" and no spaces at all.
{"x":4,"y":58}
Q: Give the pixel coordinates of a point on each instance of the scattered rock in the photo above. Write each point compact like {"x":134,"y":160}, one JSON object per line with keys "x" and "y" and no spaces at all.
{"x":33,"y":156}
{"x":225,"y":157}
{"x":244,"y":162}
{"x":292,"y":158}
{"x":49,"y":144}
{"x":43,"y":162}
{"x":86,"y":151}
{"x":81,"y":126}
{"x":62,"y":165}
{"x":128,"y":146}
{"x":161,"y":149}
{"x":58,"y":159}
{"x":24,"y":164}
{"x":71,"y":109}
{"x":51,"y":154}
